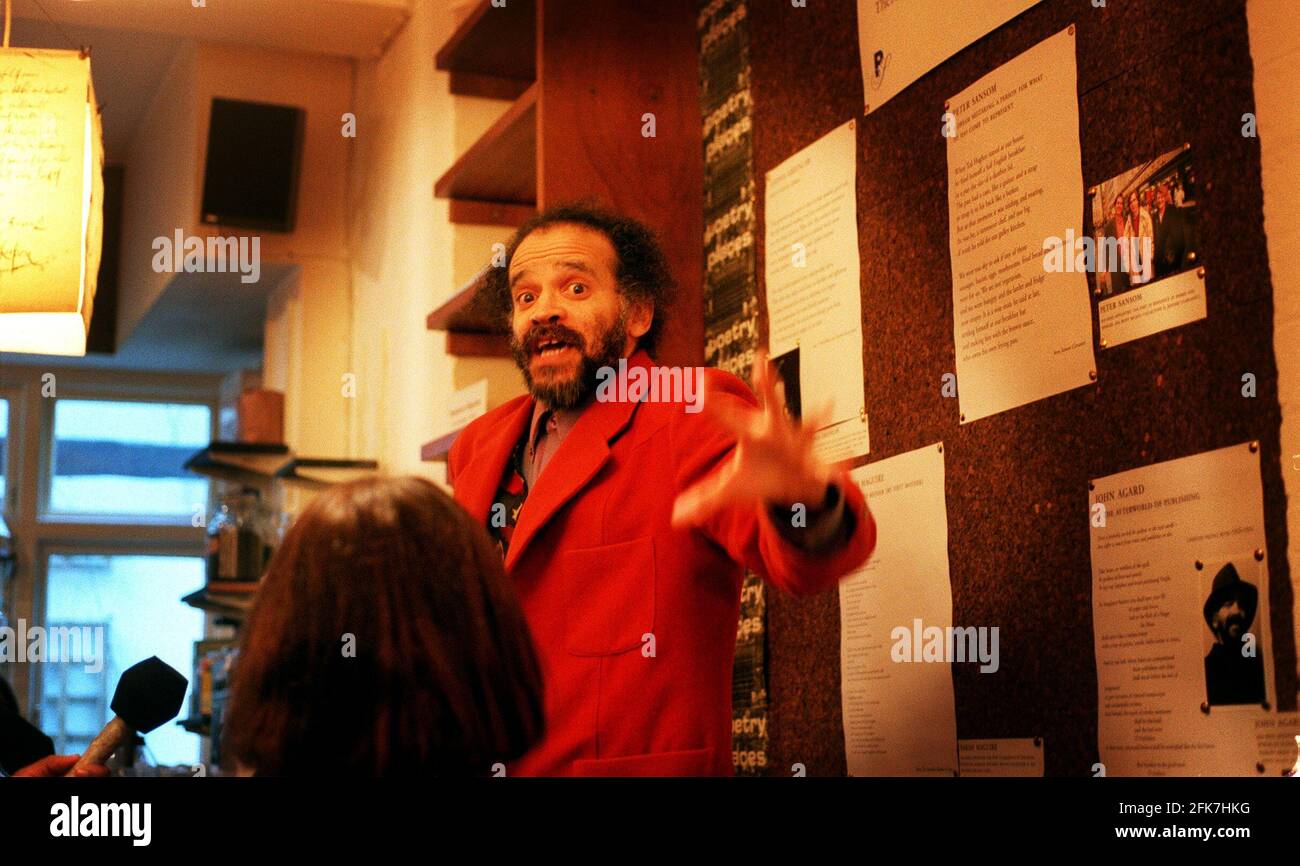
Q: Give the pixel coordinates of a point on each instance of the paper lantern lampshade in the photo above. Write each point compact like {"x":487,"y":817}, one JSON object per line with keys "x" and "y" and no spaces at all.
{"x":51,"y":200}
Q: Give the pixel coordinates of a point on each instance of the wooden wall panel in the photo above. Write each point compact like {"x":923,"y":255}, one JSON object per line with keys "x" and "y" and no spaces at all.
{"x":590,"y":132}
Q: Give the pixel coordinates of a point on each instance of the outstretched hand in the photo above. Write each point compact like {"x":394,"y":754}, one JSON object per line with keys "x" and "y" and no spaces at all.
{"x":773,"y":462}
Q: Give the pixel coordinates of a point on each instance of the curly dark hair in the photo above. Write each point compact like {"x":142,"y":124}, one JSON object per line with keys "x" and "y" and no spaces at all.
{"x":642,"y":271}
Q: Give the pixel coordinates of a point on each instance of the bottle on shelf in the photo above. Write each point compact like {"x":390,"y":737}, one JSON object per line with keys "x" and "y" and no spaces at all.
{"x":240,"y":539}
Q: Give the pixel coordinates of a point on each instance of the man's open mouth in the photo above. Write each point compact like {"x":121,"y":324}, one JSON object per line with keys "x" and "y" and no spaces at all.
{"x":551,"y":348}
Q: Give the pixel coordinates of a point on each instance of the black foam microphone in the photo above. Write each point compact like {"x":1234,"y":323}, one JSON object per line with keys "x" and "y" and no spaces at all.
{"x":148,"y":694}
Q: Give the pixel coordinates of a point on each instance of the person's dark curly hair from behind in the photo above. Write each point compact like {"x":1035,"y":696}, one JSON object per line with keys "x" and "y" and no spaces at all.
{"x":641,"y":269}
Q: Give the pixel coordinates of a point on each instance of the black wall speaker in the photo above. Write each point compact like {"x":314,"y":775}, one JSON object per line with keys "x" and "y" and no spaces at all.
{"x":251,"y":176}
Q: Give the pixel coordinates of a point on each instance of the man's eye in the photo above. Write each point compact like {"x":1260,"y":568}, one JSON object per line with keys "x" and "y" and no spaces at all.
{"x":578,"y":288}
{"x":523,"y":298}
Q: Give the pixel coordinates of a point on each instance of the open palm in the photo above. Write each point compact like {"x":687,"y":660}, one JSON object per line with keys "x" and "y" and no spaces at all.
{"x":773,"y":461}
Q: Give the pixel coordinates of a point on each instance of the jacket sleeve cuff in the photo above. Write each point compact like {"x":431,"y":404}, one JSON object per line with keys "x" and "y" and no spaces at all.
{"x":820,"y":530}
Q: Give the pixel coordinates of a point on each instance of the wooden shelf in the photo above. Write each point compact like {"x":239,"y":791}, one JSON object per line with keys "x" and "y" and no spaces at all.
{"x":501,"y":166}
{"x":467,"y":310}
{"x":493,"y":52}
{"x":464,"y":211}
{"x":473,"y":330}
{"x":235,"y":606}
{"x":201,"y":725}
{"x":438,"y":449}
{"x":578,"y":149}
{"x":240,"y":462}
{"x":470,"y":345}
{"x":324,"y":471}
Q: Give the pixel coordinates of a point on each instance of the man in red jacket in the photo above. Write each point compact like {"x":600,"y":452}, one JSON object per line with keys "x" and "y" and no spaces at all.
{"x":626,"y":523}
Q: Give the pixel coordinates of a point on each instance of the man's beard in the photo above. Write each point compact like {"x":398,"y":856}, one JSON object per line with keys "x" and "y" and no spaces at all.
{"x":581,"y":387}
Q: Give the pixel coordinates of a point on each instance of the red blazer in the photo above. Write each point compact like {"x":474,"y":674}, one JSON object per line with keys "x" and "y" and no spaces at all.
{"x":599,"y":570}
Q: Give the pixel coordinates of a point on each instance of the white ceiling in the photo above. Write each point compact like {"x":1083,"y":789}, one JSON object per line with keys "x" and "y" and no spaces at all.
{"x":349,"y":28}
{"x":133,"y":43}
{"x":127,"y":68}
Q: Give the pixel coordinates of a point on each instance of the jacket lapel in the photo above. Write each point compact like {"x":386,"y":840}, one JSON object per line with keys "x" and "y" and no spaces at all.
{"x":480,"y":478}
{"x":579,"y":458}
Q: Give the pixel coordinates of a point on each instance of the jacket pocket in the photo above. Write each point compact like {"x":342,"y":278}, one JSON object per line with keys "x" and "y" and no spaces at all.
{"x":609,"y":597}
{"x":695,"y":762}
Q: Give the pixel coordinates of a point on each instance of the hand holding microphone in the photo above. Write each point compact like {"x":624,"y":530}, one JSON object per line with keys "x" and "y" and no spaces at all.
{"x":149,"y":694}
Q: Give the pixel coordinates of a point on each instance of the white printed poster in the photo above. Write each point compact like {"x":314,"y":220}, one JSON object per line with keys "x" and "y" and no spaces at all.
{"x":899,"y":712}
{"x":898,"y":40}
{"x":1181,"y":616}
{"x":814,"y":290}
{"x":1022,"y":332}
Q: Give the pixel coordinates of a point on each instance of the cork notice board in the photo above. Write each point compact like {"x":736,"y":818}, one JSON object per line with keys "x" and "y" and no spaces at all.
{"x":1153,"y":76}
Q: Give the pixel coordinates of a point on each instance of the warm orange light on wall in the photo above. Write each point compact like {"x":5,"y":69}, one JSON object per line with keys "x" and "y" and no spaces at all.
{"x":51,"y":200}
